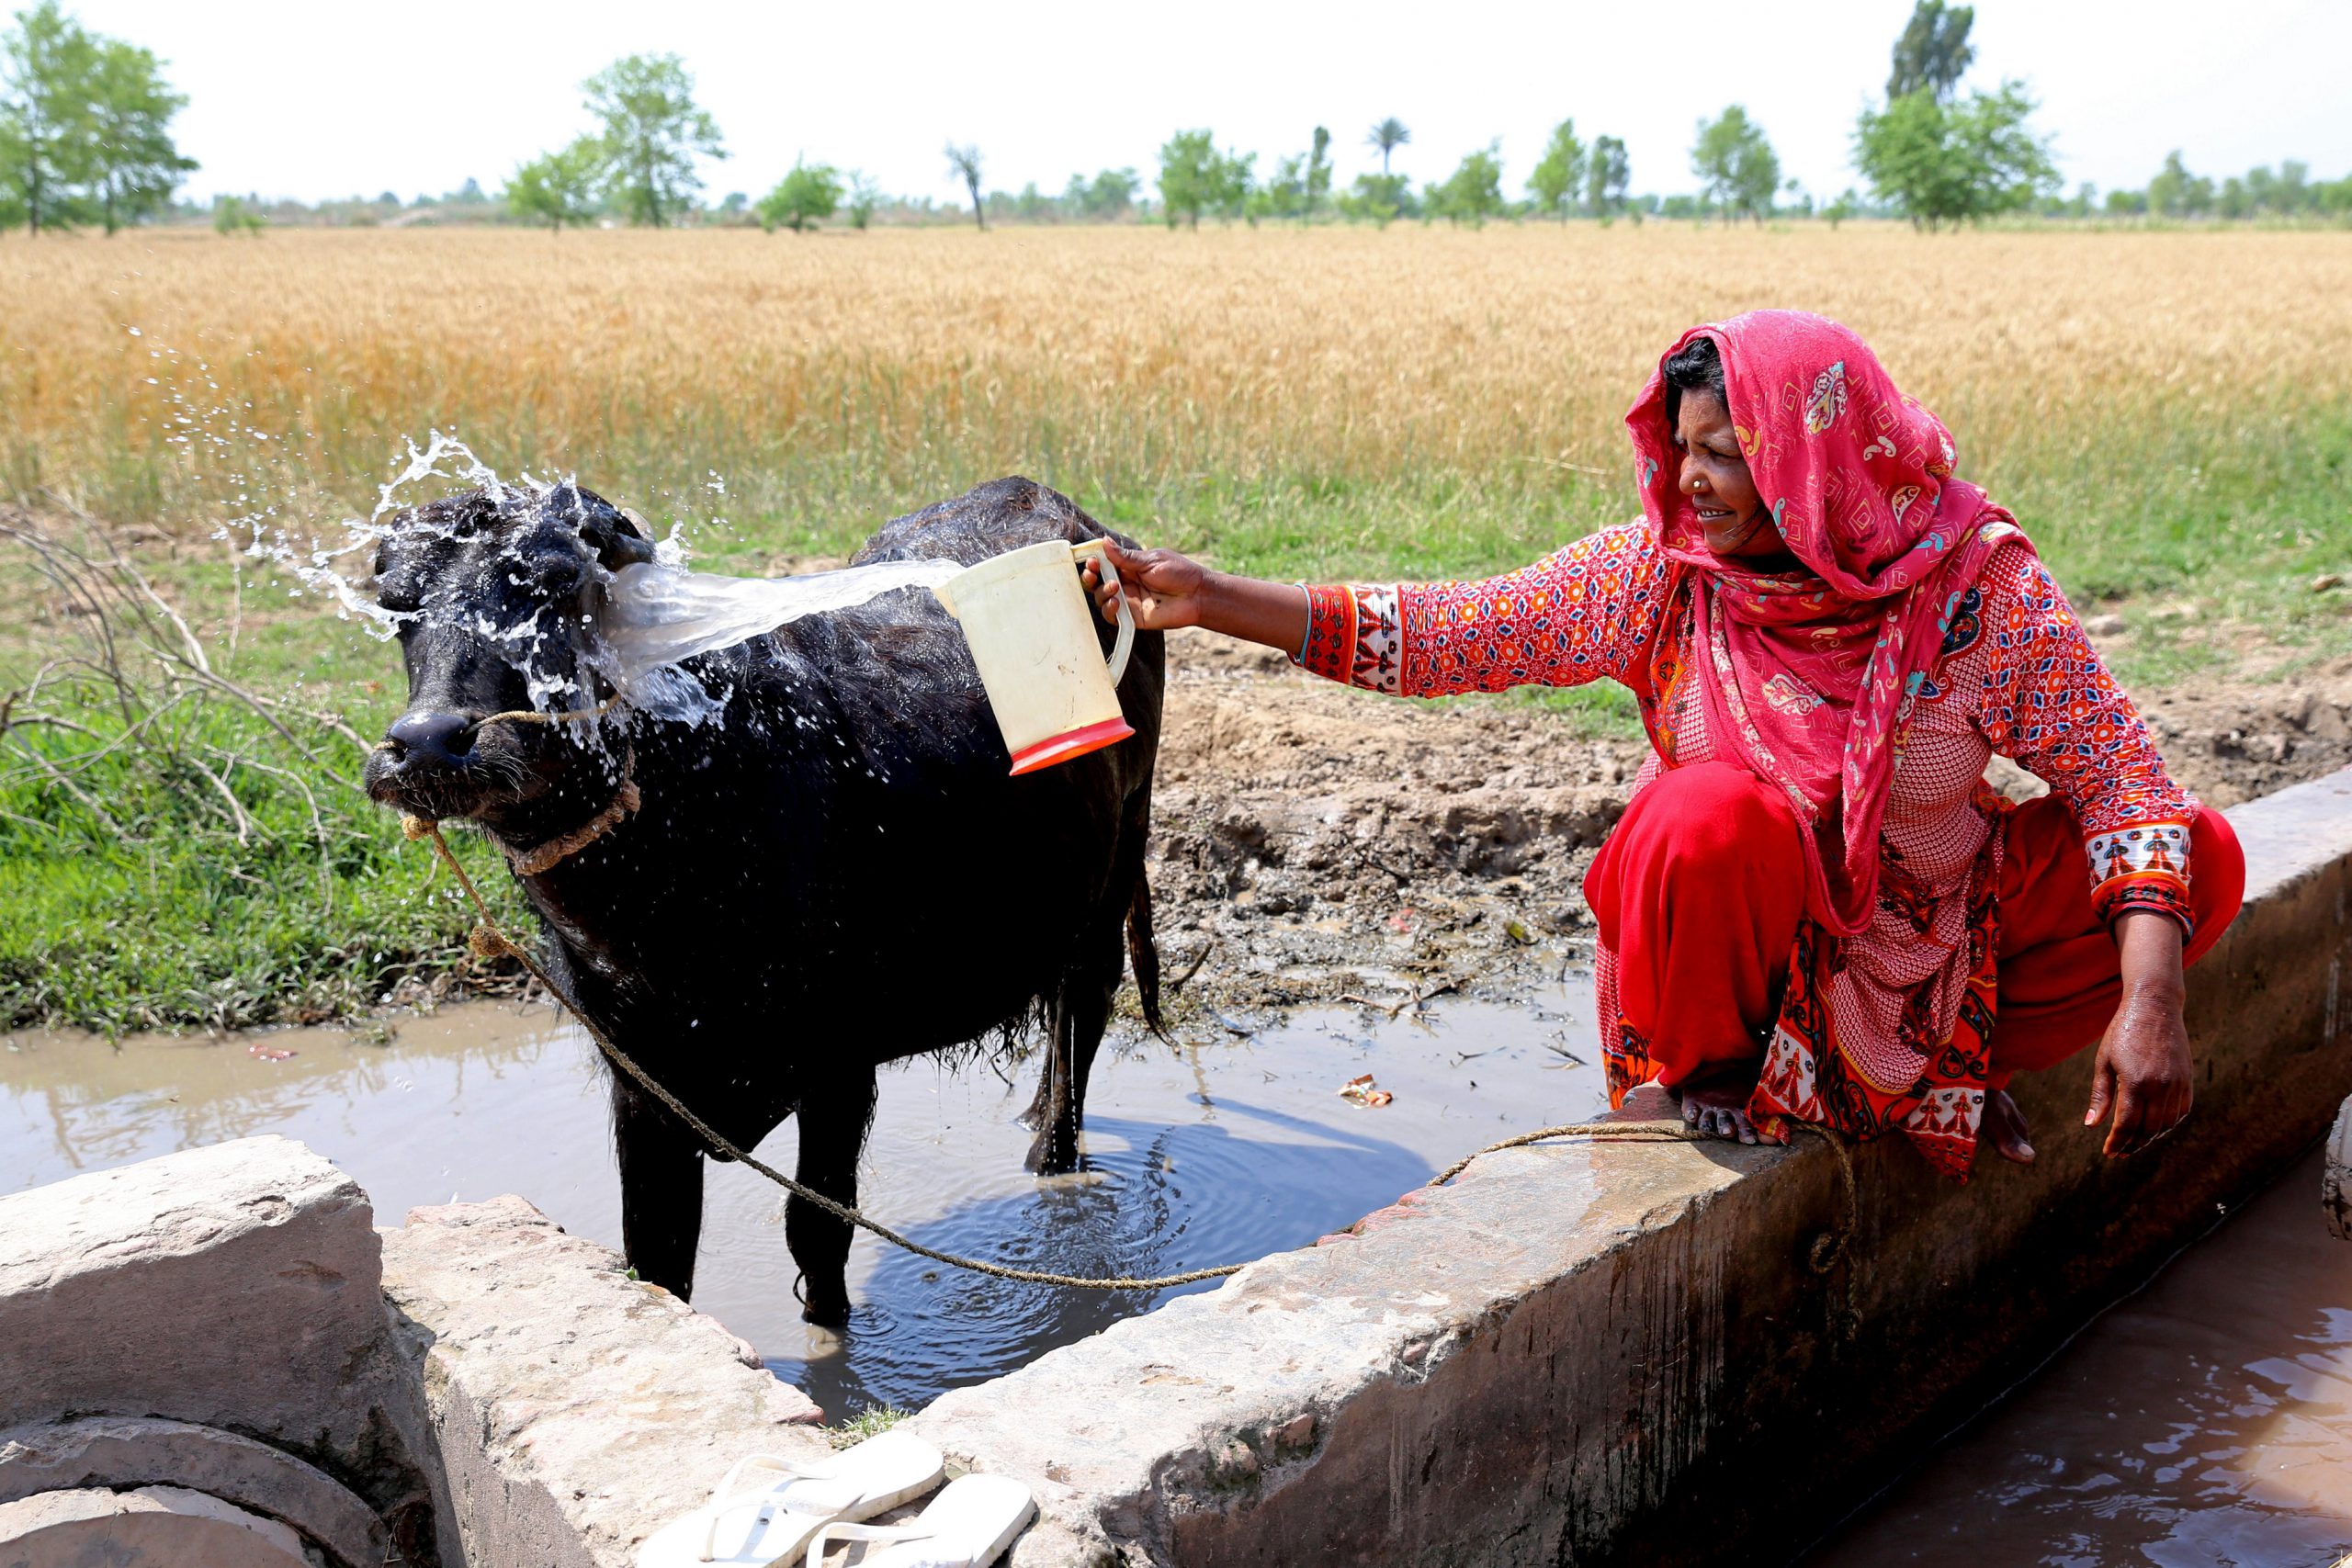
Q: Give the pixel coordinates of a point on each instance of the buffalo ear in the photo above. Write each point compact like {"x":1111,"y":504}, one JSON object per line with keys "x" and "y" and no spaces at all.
{"x":620,"y":541}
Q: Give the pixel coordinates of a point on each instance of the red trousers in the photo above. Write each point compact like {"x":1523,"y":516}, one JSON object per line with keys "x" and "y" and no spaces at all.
{"x":1699,"y":890}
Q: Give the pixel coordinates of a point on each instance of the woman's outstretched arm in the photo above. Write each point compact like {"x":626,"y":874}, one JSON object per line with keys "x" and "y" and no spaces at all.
{"x":1166,"y":591}
{"x":1584,"y":613}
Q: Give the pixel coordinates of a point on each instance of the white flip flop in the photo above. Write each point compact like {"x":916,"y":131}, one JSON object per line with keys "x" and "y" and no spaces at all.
{"x":767,"y":1507}
{"x":969,"y":1525}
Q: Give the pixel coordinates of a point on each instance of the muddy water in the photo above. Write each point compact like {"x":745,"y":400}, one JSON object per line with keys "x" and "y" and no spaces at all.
{"x":2206,"y":1423}
{"x":1236,"y":1146}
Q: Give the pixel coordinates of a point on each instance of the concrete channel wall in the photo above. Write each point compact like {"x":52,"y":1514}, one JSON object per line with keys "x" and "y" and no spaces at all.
{"x":1584,"y":1352}
{"x":195,"y":1347}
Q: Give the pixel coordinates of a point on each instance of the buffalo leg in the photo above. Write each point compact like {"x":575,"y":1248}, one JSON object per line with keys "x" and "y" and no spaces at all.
{"x":1041,"y":1104}
{"x":661,"y":1163}
{"x":833,"y":1121}
{"x":1080,"y":1012}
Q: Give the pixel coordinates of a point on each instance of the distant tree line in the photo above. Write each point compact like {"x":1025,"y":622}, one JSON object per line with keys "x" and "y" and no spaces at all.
{"x":84,"y":137}
{"x":85,"y":126}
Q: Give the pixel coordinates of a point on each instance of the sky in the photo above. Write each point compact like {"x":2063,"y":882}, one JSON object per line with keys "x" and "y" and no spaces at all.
{"x":309,"y":99}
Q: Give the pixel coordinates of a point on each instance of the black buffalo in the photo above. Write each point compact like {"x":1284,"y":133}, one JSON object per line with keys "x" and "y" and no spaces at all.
{"x":834,"y":872}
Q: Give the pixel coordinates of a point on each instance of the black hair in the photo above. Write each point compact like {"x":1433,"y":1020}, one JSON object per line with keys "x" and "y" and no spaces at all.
{"x":1694,"y":367}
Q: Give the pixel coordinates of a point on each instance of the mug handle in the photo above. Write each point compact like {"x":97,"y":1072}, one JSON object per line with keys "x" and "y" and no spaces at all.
{"x":1127,"y":640}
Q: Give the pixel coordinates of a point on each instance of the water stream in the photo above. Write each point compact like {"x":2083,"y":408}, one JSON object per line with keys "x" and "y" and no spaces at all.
{"x":1236,"y":1145}
{"x":2204,"y":1423}
{"x":2207,"y":1423}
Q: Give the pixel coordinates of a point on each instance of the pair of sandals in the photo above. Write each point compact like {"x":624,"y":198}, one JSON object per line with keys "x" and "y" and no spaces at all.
{"x":773,"y":1510}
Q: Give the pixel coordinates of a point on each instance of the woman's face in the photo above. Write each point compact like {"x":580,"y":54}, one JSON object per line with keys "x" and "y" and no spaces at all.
{"x":1714,"y":476}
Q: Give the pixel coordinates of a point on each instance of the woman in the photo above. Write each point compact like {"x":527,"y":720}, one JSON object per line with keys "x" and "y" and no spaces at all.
{"x":1813,"y":908}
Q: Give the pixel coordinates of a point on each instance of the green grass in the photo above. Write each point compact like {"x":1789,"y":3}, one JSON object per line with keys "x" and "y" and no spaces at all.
{"x":140,"y":905}
{"x":175,"y":853}
{"x":138,"y":899}
{"x":870,"y":1422}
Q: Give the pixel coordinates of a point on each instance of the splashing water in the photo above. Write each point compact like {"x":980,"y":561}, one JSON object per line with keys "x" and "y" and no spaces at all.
{"x":663,"y":614}
{"x":658,"y":615}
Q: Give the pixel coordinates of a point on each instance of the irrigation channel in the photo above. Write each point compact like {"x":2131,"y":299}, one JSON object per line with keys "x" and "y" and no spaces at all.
{"x":2208,"y":1421}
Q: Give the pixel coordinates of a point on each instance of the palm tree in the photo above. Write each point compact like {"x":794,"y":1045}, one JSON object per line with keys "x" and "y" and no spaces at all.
{"x":965,"y":163}
{"x":1389,"y":135}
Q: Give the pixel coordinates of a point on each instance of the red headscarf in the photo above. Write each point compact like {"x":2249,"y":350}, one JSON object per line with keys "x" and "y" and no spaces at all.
{"x":1807,"y":675}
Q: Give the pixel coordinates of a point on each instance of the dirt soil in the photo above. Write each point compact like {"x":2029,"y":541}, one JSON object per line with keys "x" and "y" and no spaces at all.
{"x":1315,"y":843}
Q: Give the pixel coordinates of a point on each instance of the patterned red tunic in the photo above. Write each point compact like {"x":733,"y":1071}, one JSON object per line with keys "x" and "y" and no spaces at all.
{"x":1889,"y":1028}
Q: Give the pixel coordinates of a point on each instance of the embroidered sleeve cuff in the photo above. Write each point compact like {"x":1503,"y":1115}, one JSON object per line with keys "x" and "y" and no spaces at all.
{"x":1354,"y":636}
{"x":2144,"y":866}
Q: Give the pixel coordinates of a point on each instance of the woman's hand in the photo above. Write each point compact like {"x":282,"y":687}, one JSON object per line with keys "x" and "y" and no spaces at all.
{"x":1163,"y":589}
{"x":2143,"y":1072}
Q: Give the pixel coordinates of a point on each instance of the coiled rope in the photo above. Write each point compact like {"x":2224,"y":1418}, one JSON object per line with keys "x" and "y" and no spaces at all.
{"x":489,"y":941}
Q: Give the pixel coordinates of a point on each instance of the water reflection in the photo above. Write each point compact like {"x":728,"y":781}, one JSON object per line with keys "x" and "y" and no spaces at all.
{"x":2207,"y":1423}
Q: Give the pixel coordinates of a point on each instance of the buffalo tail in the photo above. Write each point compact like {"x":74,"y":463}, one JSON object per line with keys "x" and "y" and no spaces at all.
{"x":1143,"y":953}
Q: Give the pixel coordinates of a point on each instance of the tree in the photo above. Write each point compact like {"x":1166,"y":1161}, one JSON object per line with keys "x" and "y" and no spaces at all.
{"x":234,"y":215}
{"x":1607,"y":173}
{"x":802,"y":199}
{"x":133,"y":165}
{"x":653,"y":133}
{"x":1380,"y":198}
{"x":1559,"y":172}
{"x":1034,"y":206}
{"x":1948,"y":163}
{"x":1237,"y":186}
{"x":2176,"y":193}
{"x":1110,"y":195}
{"x":1736,"y":161}
{"x":1389,"y":135}
{"x":1285,"y":195}
{"x":558,"y":188}
{"x":1473,"y":192}
{"x":1318,"y":170}
{"x":1196,"y":178}
{"x":1300,"y":184}
{"x":1933,"y":51}
{"x":2294,"y":192}
{"x":1842,"y":209}
{"x":963,"y":163}
{"x":47,"y":79}
{"x":863,"y":196}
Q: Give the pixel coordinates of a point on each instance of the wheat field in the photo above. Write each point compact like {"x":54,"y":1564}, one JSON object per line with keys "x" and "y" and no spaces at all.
{"x":897,"y":361}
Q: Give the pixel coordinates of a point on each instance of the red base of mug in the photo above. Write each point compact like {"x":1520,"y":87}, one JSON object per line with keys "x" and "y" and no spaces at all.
{"x":1070,"y":743}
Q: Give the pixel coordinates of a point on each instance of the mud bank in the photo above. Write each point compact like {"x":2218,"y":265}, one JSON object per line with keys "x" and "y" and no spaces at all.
{"x":1311,"y":840}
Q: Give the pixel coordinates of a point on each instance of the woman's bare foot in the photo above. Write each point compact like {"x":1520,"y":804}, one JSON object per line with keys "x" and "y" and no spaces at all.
{"x":2005,"y":1126}
{"x":1720,"y":1113}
